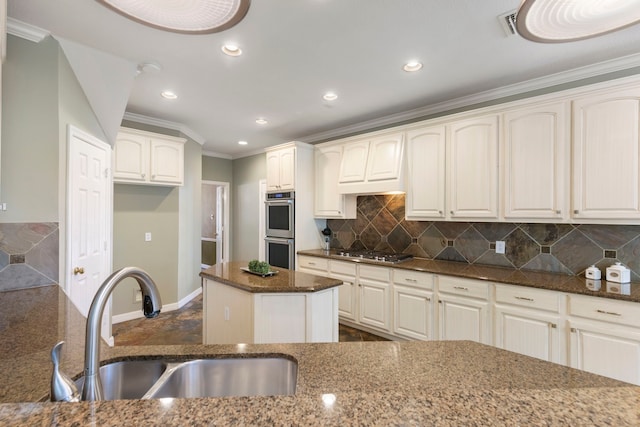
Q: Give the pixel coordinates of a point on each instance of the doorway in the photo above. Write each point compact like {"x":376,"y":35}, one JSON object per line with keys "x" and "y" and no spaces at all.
{"x":215,"y":220}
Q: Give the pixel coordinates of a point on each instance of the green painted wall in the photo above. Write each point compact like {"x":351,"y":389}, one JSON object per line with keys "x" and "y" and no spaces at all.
{"x":247,"y":172}
{"x":217,"y":169}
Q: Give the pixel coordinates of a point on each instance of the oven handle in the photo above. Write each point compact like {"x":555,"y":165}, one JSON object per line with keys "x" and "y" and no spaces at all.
{"x":278,"y":240}
{"x":279,"y":202}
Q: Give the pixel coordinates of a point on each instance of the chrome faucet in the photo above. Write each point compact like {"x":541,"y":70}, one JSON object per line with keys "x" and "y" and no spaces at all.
{"x":151,"y":305}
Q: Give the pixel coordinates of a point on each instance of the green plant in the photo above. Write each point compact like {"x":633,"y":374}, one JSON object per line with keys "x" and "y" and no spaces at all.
{"x":259,"y":266}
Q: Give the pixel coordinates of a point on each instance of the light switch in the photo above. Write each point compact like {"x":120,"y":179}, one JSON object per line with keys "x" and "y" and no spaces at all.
{"x":500,"y":247}
{"x":147,"y":237}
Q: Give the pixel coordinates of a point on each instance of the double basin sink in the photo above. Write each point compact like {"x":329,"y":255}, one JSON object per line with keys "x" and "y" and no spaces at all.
{"x":229,"y":376}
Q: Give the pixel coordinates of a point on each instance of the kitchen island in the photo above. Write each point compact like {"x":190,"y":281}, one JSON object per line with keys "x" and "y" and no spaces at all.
{"x":359,"y":383}
{"x":287,"y":306}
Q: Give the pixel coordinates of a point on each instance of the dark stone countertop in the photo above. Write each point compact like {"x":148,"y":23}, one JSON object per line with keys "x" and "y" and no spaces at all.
{"x":359,"y":383}
{"x":534,"y":279}
{"x":230,"y":273}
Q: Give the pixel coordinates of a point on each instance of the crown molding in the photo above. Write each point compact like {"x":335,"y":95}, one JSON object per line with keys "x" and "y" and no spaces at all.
{"x":26,"y":31}
{"x":139,"y":118}
{"x":218,"y":155}
{"x":564,"y":77}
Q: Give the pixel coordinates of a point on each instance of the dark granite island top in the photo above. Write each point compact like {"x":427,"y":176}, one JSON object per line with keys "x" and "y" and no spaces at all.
{"x":341,"y":384}
{"x":230,"y":273}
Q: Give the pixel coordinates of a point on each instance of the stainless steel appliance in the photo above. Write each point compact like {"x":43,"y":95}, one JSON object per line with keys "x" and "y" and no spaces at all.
{"x":280,"y":229}
{"x":280,"y":211}
{"x":280,"y":252}
{"x":379,"y":256}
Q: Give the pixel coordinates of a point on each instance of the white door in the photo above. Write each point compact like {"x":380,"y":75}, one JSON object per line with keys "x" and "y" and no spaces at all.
{"x":89,"y":215}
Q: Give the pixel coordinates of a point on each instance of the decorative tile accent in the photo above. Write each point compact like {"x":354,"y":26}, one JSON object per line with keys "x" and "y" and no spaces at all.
{"x":558,"y":248}
{"x":16,"y":259}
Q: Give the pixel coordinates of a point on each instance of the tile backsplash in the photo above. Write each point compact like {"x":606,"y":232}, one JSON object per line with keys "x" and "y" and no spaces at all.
{"x":28,"y":255}
{"x":558,"y":248}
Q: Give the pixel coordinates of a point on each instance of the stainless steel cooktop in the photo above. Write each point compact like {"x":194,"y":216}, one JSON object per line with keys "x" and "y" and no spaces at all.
{"x":380,"y":256}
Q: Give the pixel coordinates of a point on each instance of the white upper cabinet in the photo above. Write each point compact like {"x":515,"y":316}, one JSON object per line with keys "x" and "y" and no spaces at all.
{"x":354,"y":162}
{"x":385,"y":158}
{"x":148,"y":158}
{"x":281,"y":169}
{"x":536,"y":162}
{"x":473,"y":168}
{"x":426,"y":173}
{"x":328,"y":202}
{"x":606,"y":173}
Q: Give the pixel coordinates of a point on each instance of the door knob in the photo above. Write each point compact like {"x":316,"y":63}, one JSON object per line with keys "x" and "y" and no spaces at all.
{"x":78,"y":270}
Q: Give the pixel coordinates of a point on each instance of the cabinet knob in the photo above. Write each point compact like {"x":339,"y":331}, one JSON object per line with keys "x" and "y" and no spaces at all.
{"x":576,"y":211}
{"x":78,"y":270}
{"x":552,"y":325}
{"x":142,"y":175}
{"x":451,"y":212}
{"x":439,"y":212}
{"x":558,"y":211}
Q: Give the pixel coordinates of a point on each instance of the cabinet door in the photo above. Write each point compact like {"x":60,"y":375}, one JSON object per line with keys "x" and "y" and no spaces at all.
{"x":287,"y":168}
{"x":606,"y":180}
{"x":473,"y":168}
{"x":167,"y":162}
{"x":413,"y":312}
{"x":385,"y":158}
{"x":604,"y":349}
{"x":347,"y":297}
{"x":273,"y":171}
{"x":527,"y":332}
{"x":426,"y":173}
{"x":463,"y":319}
{"x":374,"y":304}
{"x":354,"y":162}
{"x":131,"y":156}
{"x":536,"y":143}
{"x":328,"y":202}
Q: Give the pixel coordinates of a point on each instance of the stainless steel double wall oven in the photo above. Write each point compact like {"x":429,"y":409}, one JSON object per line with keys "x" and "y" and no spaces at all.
{"x":280,"y":229}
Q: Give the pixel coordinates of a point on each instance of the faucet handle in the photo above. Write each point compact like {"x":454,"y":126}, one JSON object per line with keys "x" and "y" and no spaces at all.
{"x":63,"y":389}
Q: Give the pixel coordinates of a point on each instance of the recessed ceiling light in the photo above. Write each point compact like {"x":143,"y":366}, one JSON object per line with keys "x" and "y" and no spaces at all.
{"x":242,"y":142}
{"x":330,"y":96}
{"x":261,"y":121}
{"x":192,"y":17}
{"x":169,"y":95}
{"x":232,"y":50}
{"x":412,"y":66}
{"x":555,"y":21}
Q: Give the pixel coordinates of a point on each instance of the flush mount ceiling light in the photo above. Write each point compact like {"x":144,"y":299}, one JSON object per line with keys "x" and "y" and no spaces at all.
{"x":186,"y":16}
{"x":261,"y":121}
{"x":242,"y":142}
{"x":412,"y":66}
{"x":330,"y":96}
{"x":556,"y":21}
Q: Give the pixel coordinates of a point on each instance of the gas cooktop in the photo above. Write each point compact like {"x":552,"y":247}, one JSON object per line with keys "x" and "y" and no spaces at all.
{"x":384,"y":257}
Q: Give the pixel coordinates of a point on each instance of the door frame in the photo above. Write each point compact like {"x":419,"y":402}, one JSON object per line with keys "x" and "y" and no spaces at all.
{"x":225,"y":218}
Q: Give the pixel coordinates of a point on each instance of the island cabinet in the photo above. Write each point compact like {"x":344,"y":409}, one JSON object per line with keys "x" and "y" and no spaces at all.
{"x":528,"y":321}
{"x":464,"y":310}
{"x":148,"y":158}
{"x":605,"y":337}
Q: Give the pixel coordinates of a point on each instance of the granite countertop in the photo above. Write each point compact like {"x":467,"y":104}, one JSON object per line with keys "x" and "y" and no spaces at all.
{"x":534,"y":279}
{"x":230,"y":273}
{"x":358,"y":383}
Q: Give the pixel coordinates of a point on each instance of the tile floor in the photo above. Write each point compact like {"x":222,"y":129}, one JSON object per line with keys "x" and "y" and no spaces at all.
{"x":184,"y":326}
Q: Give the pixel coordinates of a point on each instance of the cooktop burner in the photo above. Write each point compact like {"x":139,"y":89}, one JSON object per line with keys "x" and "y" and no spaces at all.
{"x":387,"y":257}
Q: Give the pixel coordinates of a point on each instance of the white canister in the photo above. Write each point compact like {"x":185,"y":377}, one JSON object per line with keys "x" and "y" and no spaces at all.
{"x":618,"y":273}
{"x":593,"y":273}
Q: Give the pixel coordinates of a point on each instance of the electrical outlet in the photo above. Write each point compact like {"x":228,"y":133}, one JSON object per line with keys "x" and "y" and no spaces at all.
{"x":500,"y":247}
{"x":147,"y":236}
{"x":137,"y":295}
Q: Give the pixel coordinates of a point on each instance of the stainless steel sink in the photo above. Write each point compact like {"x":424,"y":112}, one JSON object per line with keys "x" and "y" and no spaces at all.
{"x":152,"y":379}
{"x":129,"y":379}
{"x":268,"y":376}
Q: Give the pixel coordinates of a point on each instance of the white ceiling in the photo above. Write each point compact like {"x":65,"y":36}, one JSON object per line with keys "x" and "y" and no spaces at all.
{"x":296,"y":50}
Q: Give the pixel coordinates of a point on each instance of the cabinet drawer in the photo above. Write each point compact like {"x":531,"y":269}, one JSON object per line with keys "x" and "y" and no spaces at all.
{"x":413,"y":278}
{"x":341,"y":267}
{"x":620,"y":312}
{"x":320,"y":264}
{"x":465,"y":287}
{"x":375,"y":273}
{"x":527,"y":297}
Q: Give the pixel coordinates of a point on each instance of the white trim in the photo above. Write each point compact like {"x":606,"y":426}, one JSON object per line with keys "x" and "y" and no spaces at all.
{"x":26,"y":31}
{"x":215,"y":154}
{"x":225,"y":224}
{"x":132,"y":315}
{"x":563,"y":77}
{"x":139,"y":118}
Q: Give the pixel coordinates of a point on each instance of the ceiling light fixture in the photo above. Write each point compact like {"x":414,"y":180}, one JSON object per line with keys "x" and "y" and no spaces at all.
{"x":242,"y":142}
{"x":556,"y":21}
{"x":330,"y":96}
{"x":232,"y":50}
{"x":261,"y":121}
{"x":189,"y":16}
{"x":412,"y":66}
{"x":168,"y":94}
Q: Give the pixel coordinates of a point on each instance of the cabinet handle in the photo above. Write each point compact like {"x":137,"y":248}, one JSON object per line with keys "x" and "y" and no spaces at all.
{"x":608,"y":312}
{"x":428,"y":299}
{"x":462,"y":288}
{"x":576,"y":211}
{"x":411,"y":280}
{"x":552,"y":325}
{"x":525,"y":299}
{"x":558,"y":211}
{"x":574,"y":330}
{"x":312,"y":263}
{"x":439,"y":301}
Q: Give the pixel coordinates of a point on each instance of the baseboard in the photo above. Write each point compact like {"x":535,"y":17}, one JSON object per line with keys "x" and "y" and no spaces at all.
{"x":132,"y":315}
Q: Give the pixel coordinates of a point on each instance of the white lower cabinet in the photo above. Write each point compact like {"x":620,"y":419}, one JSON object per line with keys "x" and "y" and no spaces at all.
{"x":374,"y":293}
{"x":605,"y":337}
{"x":413,"y":306}
{"x":527,"y":322}
{"x":348,"y":299}
{"x":464,"y":311}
